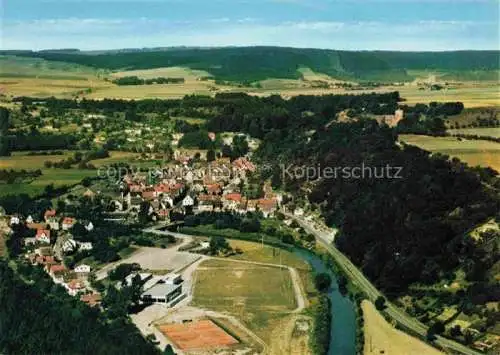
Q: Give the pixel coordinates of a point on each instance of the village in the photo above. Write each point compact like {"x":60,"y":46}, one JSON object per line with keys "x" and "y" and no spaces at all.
{"x":154,"y":199}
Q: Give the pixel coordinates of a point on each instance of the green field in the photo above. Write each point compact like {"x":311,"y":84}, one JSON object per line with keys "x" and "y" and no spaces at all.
{"x":473,"y":152}
{"x":58,"y":177}
{"x":486,"y":132}
{"x":227,"y":285}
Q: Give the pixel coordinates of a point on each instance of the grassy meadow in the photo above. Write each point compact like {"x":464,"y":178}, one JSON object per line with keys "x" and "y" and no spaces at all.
{"x":58,"y":177}
{"x":472,"y":152}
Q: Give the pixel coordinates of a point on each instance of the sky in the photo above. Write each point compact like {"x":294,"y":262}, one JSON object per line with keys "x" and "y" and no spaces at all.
{"x":406,"y":25}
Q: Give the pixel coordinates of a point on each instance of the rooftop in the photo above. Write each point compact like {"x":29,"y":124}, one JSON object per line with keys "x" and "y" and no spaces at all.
{"x":161,"y":290}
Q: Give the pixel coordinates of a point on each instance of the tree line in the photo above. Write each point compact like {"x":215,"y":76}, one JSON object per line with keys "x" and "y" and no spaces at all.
{"x":134,"y":80}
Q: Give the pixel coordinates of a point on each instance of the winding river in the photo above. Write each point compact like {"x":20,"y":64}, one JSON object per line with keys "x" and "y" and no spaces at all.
{"x":343,"y":327}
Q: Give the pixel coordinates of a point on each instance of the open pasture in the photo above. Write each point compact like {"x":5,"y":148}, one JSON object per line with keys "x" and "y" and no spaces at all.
{"x":472,"y":152}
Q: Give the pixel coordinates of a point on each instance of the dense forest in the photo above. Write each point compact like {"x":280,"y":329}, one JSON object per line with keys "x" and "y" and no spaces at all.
{"x":248,"y":64}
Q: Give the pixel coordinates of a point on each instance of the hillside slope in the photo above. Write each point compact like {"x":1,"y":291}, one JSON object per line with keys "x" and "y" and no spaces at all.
{"x":259,"y":63}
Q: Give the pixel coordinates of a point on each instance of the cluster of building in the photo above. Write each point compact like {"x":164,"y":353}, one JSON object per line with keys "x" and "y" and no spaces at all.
{"x":215,"y":186}
{"x":51,"y":241}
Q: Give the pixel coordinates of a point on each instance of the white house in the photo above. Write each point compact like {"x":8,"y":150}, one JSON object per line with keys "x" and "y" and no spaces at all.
{"x":89,"y":226}
{"x":69,"y":246}
{"x":85,"y":246}
{"x":14,"y":220}
{"x":189,"y":177}
{"x":53,"y":223}
{"x":29,"y":219}
{"x":84,"y":269}
{"x":188,"y":201}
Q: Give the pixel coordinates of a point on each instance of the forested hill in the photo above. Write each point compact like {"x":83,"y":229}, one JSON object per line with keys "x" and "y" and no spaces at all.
{"x":258,"y":63}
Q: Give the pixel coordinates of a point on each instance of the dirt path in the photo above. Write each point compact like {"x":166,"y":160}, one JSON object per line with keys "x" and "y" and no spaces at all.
{"x":382,"y":338}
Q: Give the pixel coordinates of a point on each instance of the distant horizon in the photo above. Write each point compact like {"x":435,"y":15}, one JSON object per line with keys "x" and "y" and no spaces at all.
{"x":359,"y":25}
{"x":165,"y":48}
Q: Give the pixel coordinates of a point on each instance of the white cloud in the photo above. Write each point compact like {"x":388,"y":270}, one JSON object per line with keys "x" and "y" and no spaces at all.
{"x":98,"y":33}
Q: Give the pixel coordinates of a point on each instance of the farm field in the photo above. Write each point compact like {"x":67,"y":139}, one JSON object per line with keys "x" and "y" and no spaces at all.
{"x":116,"y":157}
{"x":487,"y":132}
{"x":472,"y":95}
{"x":37,"y":77}
{"x":473,"y":152}
{"x":21,"y":160}
{"x":58,"y":177}
{"x":382,"y":338}
{"x":166,"y":72}
{"x":261,"y":297}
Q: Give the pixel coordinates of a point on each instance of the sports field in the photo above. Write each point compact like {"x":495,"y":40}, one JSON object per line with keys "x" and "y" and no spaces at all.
{"x":261,"y":297}
{"x":225,"y":285}
{"x":197,"y":335}
{"x":473,"y":152}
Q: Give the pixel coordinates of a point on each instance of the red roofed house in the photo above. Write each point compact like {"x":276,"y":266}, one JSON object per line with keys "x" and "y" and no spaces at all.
{"x":68,"y":223}
{"x":231,"y":201}
{"x":49,"y":213}
{"x":57,"y":272}
{"x":267,"y":206}
{"x":43,"y":236}
{"x":74,"y":286}
{"x":244,"y":164}
{"x":161,"y":189}
{"x":148,"y":195}
{"x":92,"y":299}
{"x":214,"y":189}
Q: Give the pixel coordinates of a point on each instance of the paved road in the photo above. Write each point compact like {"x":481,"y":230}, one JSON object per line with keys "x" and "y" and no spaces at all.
{"x":365,"y":285}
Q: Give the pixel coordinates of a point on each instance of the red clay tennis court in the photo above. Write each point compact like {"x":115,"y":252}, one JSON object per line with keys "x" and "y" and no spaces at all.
{"x":200,"y":334}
